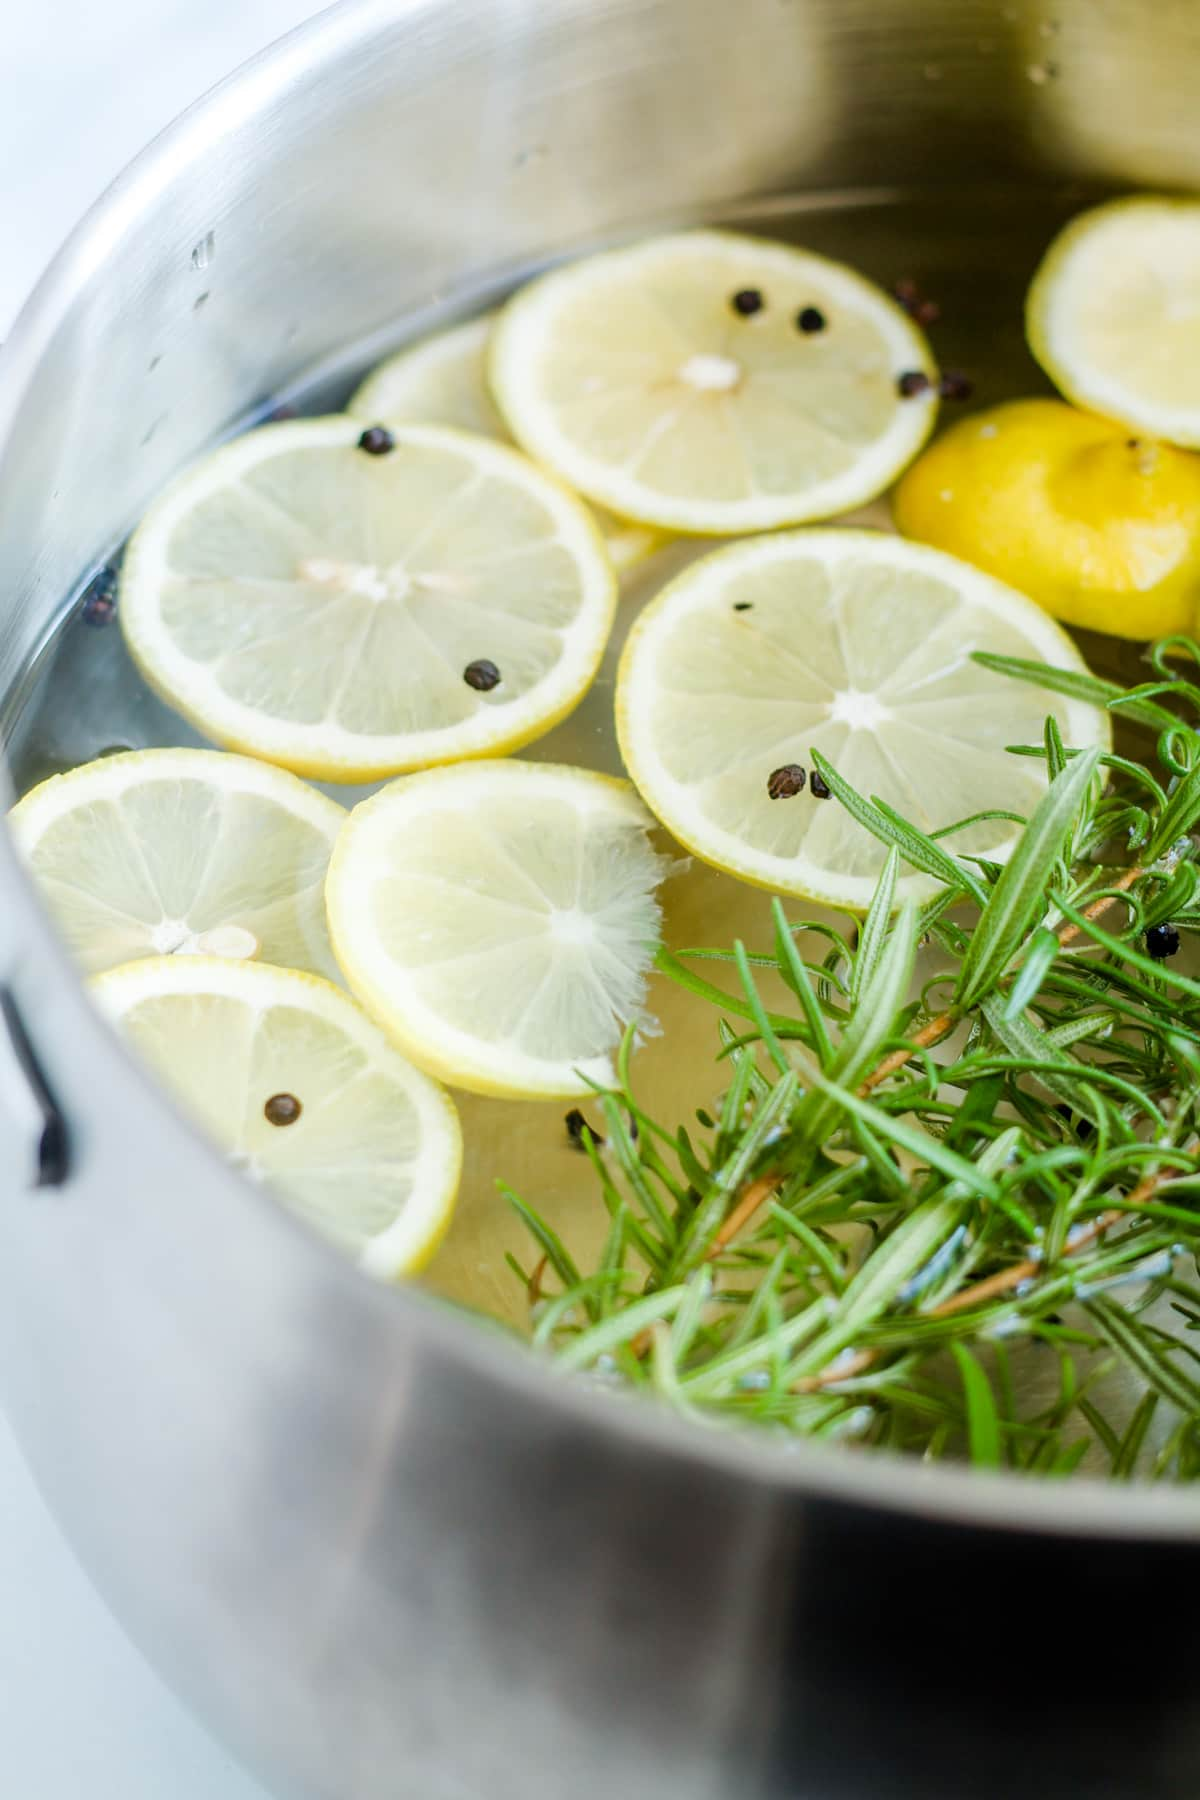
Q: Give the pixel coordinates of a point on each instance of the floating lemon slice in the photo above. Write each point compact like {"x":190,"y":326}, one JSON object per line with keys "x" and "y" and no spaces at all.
{"x":714,"y":383}
{"x":185,"y":853}
{"x":858,"y":644}
{"x":499,"y":919}
{"x":1113,"y":314}
{"x":288,"y":1076}
{"x":1101,"y":529}
{"x":443,"y":381}
{"x":353,"y":603}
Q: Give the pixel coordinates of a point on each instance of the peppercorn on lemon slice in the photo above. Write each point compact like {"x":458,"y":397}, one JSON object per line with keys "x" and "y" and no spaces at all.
{"x":350,"y":604}
{"x":498,"y":919}
{"x":856,"y":644}
{"x":1113,"y":314}
{"x":182,"y":852}
{"x":714,"y":383}
{"x":443,"y":381}
{"x":293,"y":1081}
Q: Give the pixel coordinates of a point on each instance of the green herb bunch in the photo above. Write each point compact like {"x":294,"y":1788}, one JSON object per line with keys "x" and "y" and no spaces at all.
{"x":871,"y":1241}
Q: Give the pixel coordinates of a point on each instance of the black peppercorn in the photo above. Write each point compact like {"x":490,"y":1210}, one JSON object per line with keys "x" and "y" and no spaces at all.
{"x":483,"y":675}
{"x":925,"y":312}
{"x":810,"y":319}
{"x":282,"y":1109}
{"x":817,"y":787}
{"x":784,"y":782}
{"x":1161,"y":941}
{"x":100,"y":598}
{"x":576,"y":1125}
{"x":747,"y":301}
{"x":99,"y":609}
{"x":911,"y":383}
{"x":377,"y":440}
{"x":954,"y":385}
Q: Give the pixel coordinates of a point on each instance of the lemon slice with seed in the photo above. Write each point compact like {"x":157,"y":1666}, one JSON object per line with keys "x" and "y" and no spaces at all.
{"x":182,"y":852}
{"x":350,"y":614}
{"x":857,"y":644}
{"x":499,"y":918}
{"x":1113,"y":314}
{"x":290,"y":1078}
{"x":714,"y":383}
{"x":443,"y":381}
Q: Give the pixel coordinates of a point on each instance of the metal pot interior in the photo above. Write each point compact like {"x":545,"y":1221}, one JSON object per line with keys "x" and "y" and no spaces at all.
{"x":391,"y":165}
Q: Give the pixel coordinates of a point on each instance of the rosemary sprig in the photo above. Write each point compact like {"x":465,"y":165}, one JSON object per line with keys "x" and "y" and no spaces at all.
{"x":876,"y":1243}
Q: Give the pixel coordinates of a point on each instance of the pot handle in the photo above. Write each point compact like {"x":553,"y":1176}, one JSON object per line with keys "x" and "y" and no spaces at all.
{"x":27,"y":1105}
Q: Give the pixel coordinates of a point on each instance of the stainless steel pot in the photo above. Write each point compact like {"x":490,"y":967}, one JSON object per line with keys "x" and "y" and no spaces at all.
{"x":381,"y":1550}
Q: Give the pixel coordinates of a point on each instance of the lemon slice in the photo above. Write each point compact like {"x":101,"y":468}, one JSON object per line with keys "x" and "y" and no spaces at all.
{"x":499,"y":918}
{"x":713,"y":383}
{"x":443,"y":381}
{"x":290,"y":1078}
{"x":350,"y":614}
{"x":858,"y":644}
{"x":1101,"y":530}
{"x":1113,"y":314}
{"x":182,"y":852}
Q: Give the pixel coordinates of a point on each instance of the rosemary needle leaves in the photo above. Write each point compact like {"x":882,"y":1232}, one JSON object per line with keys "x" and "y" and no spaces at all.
{"x":965,"y":1224}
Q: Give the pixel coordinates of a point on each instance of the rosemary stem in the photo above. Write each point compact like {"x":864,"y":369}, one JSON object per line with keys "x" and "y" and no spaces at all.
{"x":761,"y":1189}
{"x":756,"y":1194}
{"x":1069,"y":930}
{"x":932,"y":1032}
{"x":1004,"y":1281}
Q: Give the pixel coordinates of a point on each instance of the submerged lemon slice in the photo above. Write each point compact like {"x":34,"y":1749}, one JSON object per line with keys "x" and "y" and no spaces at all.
{"x":858,"y":644}
{"x":499,"y":919}
{"x":182,"y":852}
{"x":443,"y":381}
{"x":1101,"y":529}
{"x":303,"y":1092}
{"x":714,"y":383}
{"x":349,"y":614}
{"x":1113,"y":314}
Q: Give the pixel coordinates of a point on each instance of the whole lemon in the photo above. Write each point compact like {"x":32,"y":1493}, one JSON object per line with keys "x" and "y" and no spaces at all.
{"x":1100,"y":527}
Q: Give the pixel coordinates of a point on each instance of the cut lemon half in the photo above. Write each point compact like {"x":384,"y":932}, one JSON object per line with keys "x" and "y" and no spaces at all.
{"x":499,"y":919}
{"x":443,"y":381}
{"x":714,"y":383}
{"x":857,"y":644}
{"x":350,"y":604}
{"x":184,"y":853}
{"x":1113,"y":314}
{"x":289,"y":1077}
{"x":1101,"y":531}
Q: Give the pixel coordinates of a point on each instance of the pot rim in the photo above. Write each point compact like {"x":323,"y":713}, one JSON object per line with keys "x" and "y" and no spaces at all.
{"x":799,"y":1469}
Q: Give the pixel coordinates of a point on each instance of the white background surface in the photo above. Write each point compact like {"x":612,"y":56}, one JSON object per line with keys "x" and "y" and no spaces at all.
{"x":83,"y":85}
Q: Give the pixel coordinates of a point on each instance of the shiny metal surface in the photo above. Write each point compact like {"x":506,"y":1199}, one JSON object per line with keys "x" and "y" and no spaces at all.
{"x":381,"y":1551}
